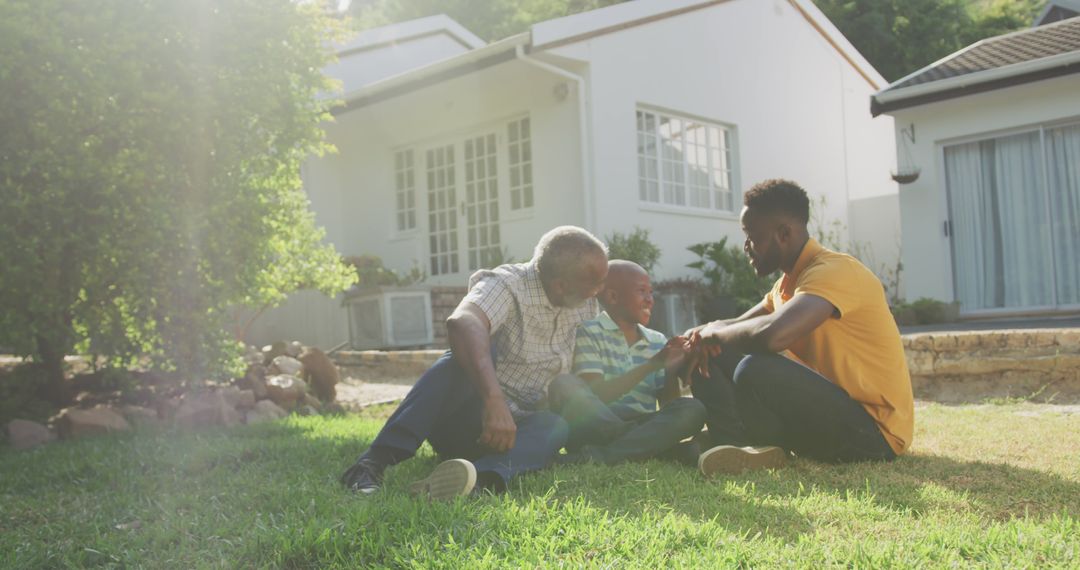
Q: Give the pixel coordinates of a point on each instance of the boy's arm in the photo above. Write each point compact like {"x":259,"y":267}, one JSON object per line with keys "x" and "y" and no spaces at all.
{"x":670,"y":358}
{"x":611,"y":390}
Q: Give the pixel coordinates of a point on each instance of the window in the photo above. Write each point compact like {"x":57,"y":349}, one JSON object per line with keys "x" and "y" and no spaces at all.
{"x":405,"y":190}
{"x":519,"y":146}
{"x":684,"y":162}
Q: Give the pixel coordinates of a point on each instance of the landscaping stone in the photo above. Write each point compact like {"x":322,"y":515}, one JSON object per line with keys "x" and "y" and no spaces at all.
{"x":971,"y":366}
{"x":255,"y":380}
{"x":285,"y":390}
{"x":25,"y":434}
{"x":294,"y":349}
{"x":206,"y":409}
{"x":75,"y":422}
{"x":285,"y":365}
{"x":264,"y":411}
{"x":272,"y":351}
{"x":140,"y":416}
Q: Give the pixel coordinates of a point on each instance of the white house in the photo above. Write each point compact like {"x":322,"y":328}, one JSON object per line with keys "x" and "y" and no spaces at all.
{"x":993,"y":221}
{"x":653,"y":113}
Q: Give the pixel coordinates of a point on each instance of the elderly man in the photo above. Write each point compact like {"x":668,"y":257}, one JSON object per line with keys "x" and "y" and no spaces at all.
{"x":483,"y":403}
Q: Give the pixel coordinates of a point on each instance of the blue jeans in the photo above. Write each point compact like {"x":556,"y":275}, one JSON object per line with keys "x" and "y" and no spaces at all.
{"x":768,"y":399}
{"x":601,"y":434}
{"x":444,"y":409}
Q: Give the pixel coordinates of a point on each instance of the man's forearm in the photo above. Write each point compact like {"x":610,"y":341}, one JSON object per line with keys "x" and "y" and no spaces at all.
{"x":743,"y":337}
{"x":471,"y":344}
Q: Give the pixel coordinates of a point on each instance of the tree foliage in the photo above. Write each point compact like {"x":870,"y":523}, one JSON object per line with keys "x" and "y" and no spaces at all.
{"x":634,"y":246}
{"x":489,"y":19}
{"x":901,"y":36}
{"x":149,"y":171}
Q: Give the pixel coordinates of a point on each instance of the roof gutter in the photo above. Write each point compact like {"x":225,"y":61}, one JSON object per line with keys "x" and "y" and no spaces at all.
{"x":584,"y":131}
{"x":971,"y":83}
{"x":491,"y":54}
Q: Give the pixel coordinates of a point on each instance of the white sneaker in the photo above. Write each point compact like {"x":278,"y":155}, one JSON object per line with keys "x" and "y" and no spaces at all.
{"x":453,"y":478}
{"x":734,"y":460}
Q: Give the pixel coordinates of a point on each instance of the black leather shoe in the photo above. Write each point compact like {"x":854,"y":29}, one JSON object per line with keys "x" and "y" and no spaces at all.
{"x":365,"y":476}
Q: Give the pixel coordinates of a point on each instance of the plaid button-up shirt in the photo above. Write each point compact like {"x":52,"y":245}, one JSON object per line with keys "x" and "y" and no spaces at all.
{"x":533,"y":339}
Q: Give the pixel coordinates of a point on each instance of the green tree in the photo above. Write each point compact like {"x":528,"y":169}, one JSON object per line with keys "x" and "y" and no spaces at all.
{"x":489,"y":19}
{"x":901,"y":36}
{"x":149,"y":171}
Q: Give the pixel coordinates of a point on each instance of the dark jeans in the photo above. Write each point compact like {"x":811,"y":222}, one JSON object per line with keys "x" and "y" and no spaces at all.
{"x":444,"y":408}
{"x":768,"y":399}
{"x":598,"y":433}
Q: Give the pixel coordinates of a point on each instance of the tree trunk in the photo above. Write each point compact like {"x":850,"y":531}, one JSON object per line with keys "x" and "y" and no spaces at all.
{"x":51,"y":366}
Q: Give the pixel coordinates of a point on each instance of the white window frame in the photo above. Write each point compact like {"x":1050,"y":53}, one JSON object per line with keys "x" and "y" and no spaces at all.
{"x":405,"y":167}
{"x":520,"y":171}
{"x":657,"y":168}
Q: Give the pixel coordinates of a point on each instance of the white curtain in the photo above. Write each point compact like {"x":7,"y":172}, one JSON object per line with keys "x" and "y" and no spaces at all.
{"x":975,"y":259}
{"x":1063,"y":149}
{"x":1000,"y":228}
{"x":1021,"y":190}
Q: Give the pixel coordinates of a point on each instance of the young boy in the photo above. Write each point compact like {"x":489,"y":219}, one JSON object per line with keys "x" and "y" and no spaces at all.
{"x":624,"y":372}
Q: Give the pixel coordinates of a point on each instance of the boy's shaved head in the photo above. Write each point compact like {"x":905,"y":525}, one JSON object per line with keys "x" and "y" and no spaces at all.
{"x":627,"y":294}
{"x":619,"y":269}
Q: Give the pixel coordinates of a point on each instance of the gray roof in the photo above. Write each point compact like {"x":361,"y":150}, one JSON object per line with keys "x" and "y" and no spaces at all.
{"x":1057,"y":10}
{"x":1017,"y":47}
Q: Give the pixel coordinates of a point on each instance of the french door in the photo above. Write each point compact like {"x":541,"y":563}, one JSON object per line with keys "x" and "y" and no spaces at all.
{"x":462,"y":187}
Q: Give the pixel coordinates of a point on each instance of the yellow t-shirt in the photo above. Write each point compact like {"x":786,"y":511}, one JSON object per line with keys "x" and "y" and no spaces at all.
{"x":859,"y":347}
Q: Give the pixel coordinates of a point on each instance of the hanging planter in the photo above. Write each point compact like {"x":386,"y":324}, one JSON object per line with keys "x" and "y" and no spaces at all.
{"x":906,"y":176}
{"x":908,"y":172}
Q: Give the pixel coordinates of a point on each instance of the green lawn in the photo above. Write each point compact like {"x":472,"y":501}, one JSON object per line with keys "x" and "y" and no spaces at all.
{"x":995,"y":486}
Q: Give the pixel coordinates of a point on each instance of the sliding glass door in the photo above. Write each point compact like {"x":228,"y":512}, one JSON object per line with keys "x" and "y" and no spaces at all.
{"x":1014,"y":207}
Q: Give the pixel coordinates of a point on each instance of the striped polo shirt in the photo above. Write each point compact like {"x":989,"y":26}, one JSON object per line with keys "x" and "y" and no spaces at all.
{"x":600,"y":348}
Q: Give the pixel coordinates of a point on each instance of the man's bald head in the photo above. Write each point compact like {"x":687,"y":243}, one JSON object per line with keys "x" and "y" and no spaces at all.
{"x":621,"y":270}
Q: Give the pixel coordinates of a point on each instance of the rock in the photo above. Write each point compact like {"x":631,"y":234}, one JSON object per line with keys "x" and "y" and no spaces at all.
{"x":285,"y":365}
{"x":294,"y":349}
{"x":312,"y":401}
{"x":206,"y":408}
{"x":253,"y":356}
{"x":255,"y":380}
{"x":264,"y":411}
{"x":306,"y":410}
{"x":238,"y":398}
{"x":140,"y":416}
{"x":25,"y":434}
{"x":166,"y":408}
{"x":285,"y":390}
{"x":73,"y":422}
{"x":320,"y":373}
{"x":272,"y":351}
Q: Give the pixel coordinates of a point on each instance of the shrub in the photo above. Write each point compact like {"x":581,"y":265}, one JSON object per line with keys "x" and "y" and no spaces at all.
{"x":728,"y":274}
{"x":370,"y":272}
{"x":635,"y":247}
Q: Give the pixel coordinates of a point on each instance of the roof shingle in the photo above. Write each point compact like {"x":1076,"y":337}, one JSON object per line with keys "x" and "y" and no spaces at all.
{"x":1018,"y":47}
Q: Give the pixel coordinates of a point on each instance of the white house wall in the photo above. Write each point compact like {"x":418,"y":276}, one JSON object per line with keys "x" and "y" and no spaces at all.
{"x":798,"y":109}
{"x":926,"y":256}
{"x":368,"y":137}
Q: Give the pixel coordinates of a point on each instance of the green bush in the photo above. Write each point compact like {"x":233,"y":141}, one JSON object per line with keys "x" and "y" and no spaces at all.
{"x":728,"y":275}
{"x":370,"y":272}
{"x":635,"y":247}
{"x":925,"y":311}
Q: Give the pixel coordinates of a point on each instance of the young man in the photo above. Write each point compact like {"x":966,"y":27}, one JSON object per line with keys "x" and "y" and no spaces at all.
{"x":845,"y":394}
{"x":488,"y":412}
{"x":623,"y":372}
